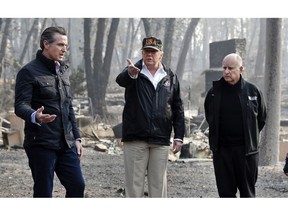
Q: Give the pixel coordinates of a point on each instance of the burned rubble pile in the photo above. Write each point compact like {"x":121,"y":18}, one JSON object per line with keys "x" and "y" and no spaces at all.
{"x":107,"y":138}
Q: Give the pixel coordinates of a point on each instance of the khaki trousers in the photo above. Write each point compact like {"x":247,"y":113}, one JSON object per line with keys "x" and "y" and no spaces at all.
{"x":139,"y":158}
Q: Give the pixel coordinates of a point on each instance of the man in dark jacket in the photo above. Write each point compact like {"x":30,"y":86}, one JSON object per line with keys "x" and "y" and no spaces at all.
{"x":42,"y":98}
{"x":153,"y":107}
{"x":236,"y":113}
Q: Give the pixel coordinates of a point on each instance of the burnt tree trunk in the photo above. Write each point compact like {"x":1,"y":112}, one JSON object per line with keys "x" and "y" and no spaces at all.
{"x":168,"y":41}
{"x":185,"y":46}
{"x":88,"y":62}
{"x":4,"y":43}
{"x":269,"y":148}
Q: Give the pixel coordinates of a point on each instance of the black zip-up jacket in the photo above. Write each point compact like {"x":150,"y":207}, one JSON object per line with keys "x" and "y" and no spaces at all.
{"x":37,"y":84}
{"x":149,"y":115}
{"x":253,"y":112}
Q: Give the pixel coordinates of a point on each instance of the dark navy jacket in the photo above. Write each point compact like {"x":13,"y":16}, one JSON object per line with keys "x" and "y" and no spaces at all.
{"x":149,"y":115}
{"x":253,"y":112}
{"x":37,"y":84}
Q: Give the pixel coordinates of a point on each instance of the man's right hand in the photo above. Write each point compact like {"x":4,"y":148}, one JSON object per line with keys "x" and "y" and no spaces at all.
{"x":132,"y":69}
{"x":44,"y":118}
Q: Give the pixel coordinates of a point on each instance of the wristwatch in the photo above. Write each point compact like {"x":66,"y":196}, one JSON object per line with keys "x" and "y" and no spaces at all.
{"x":79,"y":139}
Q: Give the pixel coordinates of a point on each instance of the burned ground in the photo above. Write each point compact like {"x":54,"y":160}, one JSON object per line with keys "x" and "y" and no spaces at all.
{"x":104,"y":176}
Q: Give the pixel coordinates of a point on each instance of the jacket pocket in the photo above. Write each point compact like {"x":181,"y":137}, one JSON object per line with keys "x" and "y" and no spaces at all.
{"x":67,"y":85}
{"x":46,"y":87}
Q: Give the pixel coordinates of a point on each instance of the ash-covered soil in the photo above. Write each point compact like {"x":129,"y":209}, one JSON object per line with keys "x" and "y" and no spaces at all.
{"x":104,"y":175}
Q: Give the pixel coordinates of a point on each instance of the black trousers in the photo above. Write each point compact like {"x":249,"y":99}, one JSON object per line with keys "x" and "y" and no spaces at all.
{"x":234,"y":170}
{"x":65,"y":163}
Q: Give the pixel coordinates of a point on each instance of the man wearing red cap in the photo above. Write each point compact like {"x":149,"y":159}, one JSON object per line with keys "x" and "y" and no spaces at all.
{"x":153,"y":107}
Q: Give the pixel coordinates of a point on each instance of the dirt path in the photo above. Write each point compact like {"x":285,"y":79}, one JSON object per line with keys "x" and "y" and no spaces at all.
{"x":104,"y":177}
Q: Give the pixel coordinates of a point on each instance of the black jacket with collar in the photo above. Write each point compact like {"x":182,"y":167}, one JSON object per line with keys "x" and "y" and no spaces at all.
{"x":253,"y":112}
{"x":37,"y":84}
{"x":149,"y":115}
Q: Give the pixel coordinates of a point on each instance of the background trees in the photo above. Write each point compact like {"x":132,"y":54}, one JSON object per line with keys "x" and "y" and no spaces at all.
{"x":99,"y":48}
{"x":269,"y":148}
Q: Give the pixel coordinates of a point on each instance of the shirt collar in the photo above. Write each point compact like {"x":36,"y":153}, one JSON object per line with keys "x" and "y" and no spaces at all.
{"x":160,"y":69}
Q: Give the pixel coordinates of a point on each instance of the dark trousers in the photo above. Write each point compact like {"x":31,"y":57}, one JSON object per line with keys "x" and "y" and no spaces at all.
{"x":44,"y":162}
{"x":234,"y":170}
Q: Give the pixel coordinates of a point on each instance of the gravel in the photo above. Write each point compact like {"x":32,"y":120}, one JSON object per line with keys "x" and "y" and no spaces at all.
{"x":104,"y":176}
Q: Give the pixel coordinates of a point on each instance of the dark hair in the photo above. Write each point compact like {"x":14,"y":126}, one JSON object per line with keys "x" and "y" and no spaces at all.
{"x":48,"y":34}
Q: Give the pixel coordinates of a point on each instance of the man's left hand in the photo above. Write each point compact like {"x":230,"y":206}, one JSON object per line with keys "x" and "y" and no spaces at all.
{"x":79,"y":149}
{"x":177,"y":145}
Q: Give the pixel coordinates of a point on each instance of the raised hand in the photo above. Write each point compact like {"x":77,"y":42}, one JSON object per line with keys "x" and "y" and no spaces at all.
{"x":132,"y":69}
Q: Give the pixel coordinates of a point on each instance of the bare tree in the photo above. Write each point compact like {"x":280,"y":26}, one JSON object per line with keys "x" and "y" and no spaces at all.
{"x":269,"y":153}
{"x":43,"y":25}
{"x":127,"y":39}
{"x":168,"y":40}
{"x":147,"y":26}
{"x":87,"y":58}
{"x":105,"y":69}
{"x":4,"y":42}
{"x":97,"y":76}
{"x":260,"y":58}
{"x":205,"y":43}
{"x":33,"y":29}
{"x":185,"y":46}
{"x":133,"y":38}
